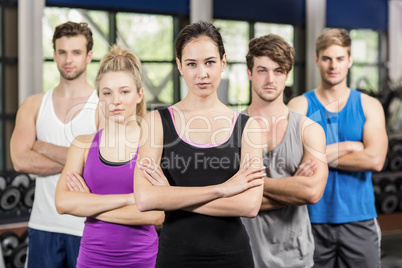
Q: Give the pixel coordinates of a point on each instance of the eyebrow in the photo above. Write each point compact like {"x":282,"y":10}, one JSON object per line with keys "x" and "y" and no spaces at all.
{"x":209,"y":58}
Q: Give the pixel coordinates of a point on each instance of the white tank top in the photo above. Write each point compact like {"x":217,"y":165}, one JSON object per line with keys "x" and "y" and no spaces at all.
{"x":51,"y":129}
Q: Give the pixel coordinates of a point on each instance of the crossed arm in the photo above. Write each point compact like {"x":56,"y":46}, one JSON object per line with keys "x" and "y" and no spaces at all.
{"x":28,"y":154}
{"x":368,"y":155}
{"x":238,"y":196}
{"x":73,"y":196}
{"x":307,"y":185}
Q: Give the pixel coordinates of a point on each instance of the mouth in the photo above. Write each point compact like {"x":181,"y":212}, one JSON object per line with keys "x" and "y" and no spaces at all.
{"x":202,"y":85}
{"x":68,"y":69}
{"x":117,"y":111}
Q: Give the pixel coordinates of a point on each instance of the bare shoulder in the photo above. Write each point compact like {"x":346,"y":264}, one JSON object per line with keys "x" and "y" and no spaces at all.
{"x":370,"y":104}
{"x":32,"y":103}
{"x":299,"y":104}
{"x":310,"y":129}
{"x":83,"y":141}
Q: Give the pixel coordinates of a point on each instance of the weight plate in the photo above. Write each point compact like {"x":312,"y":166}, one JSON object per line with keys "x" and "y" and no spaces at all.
{"x":29,"y":196}
{"x":10,"y":198}
{"x":9,"y":241}
{"x":21,"y":180}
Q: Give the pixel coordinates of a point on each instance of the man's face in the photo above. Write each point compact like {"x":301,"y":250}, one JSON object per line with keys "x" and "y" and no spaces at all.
{"x":267,"y":79}
{"x":334,"y":63}
{"x":71,"y":56}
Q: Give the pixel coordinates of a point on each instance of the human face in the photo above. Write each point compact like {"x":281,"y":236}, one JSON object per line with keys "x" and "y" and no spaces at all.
{"x":334,"y":63}
{"x":267,"y":78}
{"x":119,"y":96}
{"x":201,"y":66}
{"x":71,"y":56}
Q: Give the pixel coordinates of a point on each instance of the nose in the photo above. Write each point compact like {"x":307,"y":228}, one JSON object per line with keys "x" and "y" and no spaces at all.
{"x":69,"y":57}
{"x":202,"y":72}
{"x":333,"y":64}
{"x":116,"y":99}
{"x":269,"y":77}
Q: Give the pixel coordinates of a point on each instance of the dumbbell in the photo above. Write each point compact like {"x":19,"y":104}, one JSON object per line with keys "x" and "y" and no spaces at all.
{"x":19,"y":255}
{"x":9,"y":242}
{"x":387,"y":201}
{"x":27,"y":187}
{"x":10,"y":196}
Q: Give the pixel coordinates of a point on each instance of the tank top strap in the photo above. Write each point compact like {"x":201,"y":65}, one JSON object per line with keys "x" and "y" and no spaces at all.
{"x":169,"y":131}
{"x":238,"y":129}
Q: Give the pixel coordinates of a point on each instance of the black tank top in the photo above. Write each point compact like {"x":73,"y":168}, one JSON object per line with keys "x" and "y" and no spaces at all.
{"x":195,"y":240}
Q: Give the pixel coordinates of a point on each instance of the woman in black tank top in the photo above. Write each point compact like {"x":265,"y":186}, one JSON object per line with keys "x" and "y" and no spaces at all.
{"x":201,"y":163}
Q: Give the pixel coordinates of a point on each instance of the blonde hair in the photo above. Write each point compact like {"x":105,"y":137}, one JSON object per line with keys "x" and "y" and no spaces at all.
{"x":119,"y":59}
{"x":333,"y":37}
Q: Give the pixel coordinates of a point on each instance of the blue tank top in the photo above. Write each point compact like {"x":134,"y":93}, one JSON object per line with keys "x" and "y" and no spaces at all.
{"x":348,"y":196}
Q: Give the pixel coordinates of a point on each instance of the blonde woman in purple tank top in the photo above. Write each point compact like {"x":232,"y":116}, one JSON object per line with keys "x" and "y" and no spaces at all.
{"x":97,"y":181}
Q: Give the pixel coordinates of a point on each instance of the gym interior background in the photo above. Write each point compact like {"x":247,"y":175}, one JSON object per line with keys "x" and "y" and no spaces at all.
{"x":149,"y":29}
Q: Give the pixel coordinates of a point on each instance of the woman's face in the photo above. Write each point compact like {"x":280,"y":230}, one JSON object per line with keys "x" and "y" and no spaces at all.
{"x":119,"y":96}
{"x":201,"y":66}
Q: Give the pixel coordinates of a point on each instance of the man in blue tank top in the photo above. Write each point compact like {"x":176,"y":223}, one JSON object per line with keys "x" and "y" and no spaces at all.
{"x":45,"y":126}
{"x":294,"y":156}
{"x":345,"y":229}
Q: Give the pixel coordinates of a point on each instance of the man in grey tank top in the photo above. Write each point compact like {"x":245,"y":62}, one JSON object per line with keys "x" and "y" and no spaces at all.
{"x":294,"y":156}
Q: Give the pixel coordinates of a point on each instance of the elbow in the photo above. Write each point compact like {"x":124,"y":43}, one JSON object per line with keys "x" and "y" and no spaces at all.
{"x":159,"y":219}
{"x":19,"y":166}
{"x":377,"y":164}
{"x":142,"y":202}
{"x":253,"y":210}
{"x":314,"y":195}
{"x":61,"y":207}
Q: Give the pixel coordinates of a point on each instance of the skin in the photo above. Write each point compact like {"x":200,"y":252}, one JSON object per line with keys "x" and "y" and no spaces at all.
{"x":202,"y":118}
{"x":333,"y":92}
{"x":38,"y":157}
{"x":307,"y":185}
{"x":119,"y":98}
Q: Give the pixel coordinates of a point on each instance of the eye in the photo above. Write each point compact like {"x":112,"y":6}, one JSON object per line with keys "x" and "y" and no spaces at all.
{"x":279,"y":71}
{"x":106,"y":93}
{"x":125,"y":91}
{"x":77,"y":52}
{"x":261,"y":71}
{"x":210,"y":62}
{"x":191,"y":64}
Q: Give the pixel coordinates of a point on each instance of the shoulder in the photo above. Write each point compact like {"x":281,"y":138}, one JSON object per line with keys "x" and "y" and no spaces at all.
{"x":83,"y":141}
{"x":299,"y":104}
{"x":30,"y":106}
{"x":310,"y":129}
{"x":371,"y":105}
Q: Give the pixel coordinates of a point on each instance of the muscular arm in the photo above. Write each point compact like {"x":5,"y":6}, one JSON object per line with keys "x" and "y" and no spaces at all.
{"x":51,"y":151}
{"x":149,"y":197}
{"x":375,"y":141}
{"x":23,"y":156}
{"x":300,"y":190}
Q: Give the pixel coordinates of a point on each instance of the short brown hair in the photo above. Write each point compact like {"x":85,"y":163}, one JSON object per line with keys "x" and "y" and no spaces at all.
{"x":123,"y":60}
{"x":274,"y":47}
{"x":333,"y":37}
{"x":73,"y":29}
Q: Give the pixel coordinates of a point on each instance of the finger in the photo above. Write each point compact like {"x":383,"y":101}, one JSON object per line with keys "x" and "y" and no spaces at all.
{"x":150,"y":178}
{"x":77,"y":183}
{"x":72,"y":185}
{"x":82,"y":182}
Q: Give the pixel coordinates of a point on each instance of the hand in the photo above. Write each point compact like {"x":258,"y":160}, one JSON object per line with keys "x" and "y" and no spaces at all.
{"x":154,"y":173}
{"x":247,"y":177}
{"x":76,"y":183}
{"x":306,"y":169}
{"x":355,"y":146}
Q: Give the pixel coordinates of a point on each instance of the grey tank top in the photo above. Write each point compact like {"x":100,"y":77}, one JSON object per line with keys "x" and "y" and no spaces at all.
{"x":282,"y":237}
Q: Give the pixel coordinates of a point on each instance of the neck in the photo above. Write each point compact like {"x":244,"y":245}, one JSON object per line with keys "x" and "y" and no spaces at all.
{"x":197,"y":103}
{"x":74,"y":88}
{"x":333,"y":92}
{"x":271,"y":111}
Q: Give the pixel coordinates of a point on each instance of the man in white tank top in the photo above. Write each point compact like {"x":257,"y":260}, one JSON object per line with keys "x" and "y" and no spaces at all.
{"x":294,"y":156}
{"x":45,"y":126}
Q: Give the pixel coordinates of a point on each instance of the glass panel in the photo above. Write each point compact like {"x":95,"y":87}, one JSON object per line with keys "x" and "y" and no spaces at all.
{"x":364,"y":46}
{"x":364,"y":77}
{"x":1,"y":33}
{"x":51,"y":75}
{"x":158,"y":83}
{"x":283,"y":30}
{"x":148,"y":36}
{"x":235,"y":35}
{"x":239,"y":92}
{"x":1,"y":87}
{"x":97,"y":20}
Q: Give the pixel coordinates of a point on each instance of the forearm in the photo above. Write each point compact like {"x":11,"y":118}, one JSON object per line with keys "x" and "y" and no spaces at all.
{"x":296,"y":190}
{"x":88,"y":204}
{"x":51,"y":151}
{"x":268,"y":204}
{"x":34,"y":163}
{"x":130,"y":215}
{"x":169,"y":198}
{"x":337,"y":150}
{"x":245,"y":204}
{"x":360,"y":161}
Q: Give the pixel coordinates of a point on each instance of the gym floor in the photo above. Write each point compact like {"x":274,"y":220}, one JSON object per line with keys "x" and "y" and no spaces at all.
{"x":391,"y":245}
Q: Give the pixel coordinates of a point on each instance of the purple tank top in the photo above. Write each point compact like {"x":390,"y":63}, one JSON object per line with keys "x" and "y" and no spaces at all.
{"x":106,"y":244}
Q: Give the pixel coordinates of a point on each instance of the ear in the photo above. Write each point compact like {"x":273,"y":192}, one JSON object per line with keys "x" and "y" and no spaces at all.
{"x":140,"y":95}
{"x":350,"y":61}
{"x":316,"y":59}
{"x":54,"y":56}
{"x":224,"y":62}
{"x":249,"y":74}
{"x":89,"y":56}
{"x":179,"y":66}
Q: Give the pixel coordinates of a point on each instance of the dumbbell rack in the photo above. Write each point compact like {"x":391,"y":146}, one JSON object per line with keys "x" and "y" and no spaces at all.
{"x":16,"y":199}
